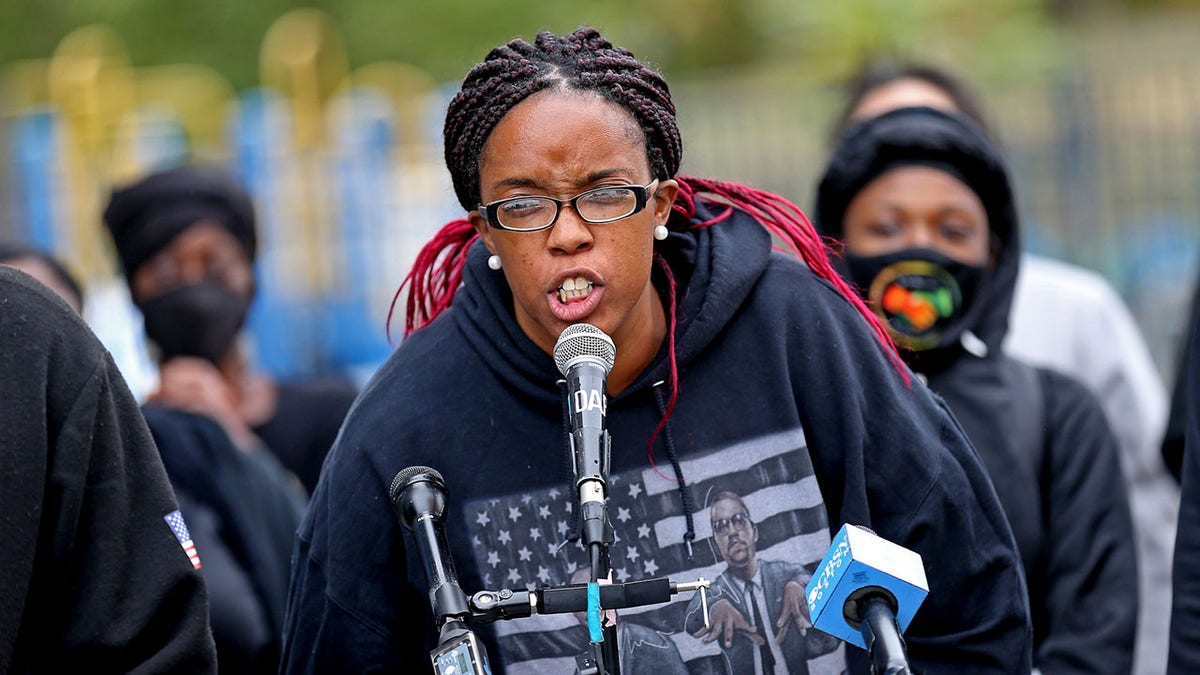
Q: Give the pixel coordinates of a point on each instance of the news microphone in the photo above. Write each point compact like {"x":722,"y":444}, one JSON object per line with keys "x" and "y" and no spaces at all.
{"x":418,"y":496}
{"x":865,"y":592}
{"x":585,"y":355}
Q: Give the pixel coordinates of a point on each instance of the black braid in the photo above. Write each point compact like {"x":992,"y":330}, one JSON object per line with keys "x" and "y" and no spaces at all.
{"x":580,"y":61}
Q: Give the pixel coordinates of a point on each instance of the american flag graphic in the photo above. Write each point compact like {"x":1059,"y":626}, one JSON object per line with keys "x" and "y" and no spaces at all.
{"x":179,"y":528}
{"x":517,"y":541}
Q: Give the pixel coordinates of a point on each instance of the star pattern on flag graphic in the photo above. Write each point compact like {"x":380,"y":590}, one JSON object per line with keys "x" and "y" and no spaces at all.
{"x":522,"y":537}
{"x":180,"y":530}
{"x":520,"y":541}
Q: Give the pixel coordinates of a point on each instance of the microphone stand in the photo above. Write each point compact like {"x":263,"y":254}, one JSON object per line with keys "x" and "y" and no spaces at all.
{"x":597,"y":534}
{"x":881,"y":633}
{"x":505,"y":604}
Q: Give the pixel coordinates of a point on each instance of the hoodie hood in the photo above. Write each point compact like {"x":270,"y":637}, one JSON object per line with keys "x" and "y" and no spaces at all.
{"x":715,"y":269}
{"x":953,"y":144}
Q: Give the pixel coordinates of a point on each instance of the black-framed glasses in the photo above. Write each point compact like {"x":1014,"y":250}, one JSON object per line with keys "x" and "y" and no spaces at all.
{"x":598,"y":205}
{"x":738,"y":521}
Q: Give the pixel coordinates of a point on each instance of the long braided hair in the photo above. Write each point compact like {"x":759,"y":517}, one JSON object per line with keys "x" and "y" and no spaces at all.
{"x":585,"y":61}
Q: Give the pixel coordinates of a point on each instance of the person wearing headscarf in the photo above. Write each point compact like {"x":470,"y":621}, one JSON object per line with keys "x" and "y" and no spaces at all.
{"x":921,"y":200}
{"x":1072,"y":320}
{"x":186,"y":238}
{"x":186,"y":241}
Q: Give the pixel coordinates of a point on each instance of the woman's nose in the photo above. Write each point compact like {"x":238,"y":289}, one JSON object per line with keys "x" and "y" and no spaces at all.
{"x":570,"y":234}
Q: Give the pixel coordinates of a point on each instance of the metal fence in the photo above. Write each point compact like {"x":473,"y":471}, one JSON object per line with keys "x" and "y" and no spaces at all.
{"x":1106,"y":161}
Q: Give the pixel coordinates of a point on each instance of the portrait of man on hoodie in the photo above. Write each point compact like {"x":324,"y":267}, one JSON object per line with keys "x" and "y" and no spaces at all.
{"x":759,"y":615}
{"x":922,"y":201}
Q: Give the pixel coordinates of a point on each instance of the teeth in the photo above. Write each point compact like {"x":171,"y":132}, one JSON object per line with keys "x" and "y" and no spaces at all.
{"x":577,"y":287}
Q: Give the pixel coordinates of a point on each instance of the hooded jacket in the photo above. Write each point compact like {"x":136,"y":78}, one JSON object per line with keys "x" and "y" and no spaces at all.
{"x":1184,"y":656}
{"x":1042,"y":435}
{"x":785,"y":399}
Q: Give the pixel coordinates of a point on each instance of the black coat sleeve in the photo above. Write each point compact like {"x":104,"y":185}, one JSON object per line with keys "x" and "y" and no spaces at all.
{"x":1090,"y":585}
{"x":110,"y":587}
{"x":1185,"y":603}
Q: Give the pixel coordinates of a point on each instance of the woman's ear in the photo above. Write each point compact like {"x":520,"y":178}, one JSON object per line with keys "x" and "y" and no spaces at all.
{"x":479,"y":222}
{"x":664,"y":199}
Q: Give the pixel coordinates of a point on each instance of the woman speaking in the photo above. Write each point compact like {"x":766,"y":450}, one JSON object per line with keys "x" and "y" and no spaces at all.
{"x":755,"y":405}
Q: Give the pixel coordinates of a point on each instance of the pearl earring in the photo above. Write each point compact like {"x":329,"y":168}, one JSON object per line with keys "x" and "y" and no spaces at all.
{"x":494,"y":262}
{"x":660,"y":232}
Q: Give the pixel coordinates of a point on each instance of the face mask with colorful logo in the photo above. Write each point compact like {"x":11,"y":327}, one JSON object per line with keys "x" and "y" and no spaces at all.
{"x":921,"y":295}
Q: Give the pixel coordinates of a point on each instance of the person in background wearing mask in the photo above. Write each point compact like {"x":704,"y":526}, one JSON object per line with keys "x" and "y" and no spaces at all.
{"x":1070,"y":319}
{"x":98,"y":572}
{"x":186,"y":239}
{"x":921,"y":200}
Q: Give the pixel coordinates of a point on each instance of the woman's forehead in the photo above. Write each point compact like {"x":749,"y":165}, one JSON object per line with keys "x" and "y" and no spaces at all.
{"x":918,"y":183}
{"x":560,"y":131}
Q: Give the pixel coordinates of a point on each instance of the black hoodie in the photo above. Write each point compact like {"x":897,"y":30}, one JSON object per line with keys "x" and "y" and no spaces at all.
{"x":1184,"y":657}
{"x":1042,"y":435}
{"x":94,"y":574}
{"x":785,"y":399}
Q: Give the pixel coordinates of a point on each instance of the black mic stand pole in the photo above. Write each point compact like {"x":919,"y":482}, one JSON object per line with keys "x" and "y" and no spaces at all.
{"x":597,"y":536}
{"x":882,"y":635}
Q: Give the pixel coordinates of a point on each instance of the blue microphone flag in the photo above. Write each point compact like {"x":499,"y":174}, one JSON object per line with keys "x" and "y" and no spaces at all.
{"x":859,"y":559}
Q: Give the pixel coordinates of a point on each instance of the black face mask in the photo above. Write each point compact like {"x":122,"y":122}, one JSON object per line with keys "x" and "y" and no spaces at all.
{"x":921,"y":295}
{"x":198,"y":320}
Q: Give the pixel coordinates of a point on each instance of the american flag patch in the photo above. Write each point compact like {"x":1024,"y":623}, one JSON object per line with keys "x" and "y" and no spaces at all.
{"x":179,"y":528}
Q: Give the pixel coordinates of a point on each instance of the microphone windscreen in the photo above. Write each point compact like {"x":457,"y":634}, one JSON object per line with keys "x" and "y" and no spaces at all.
{"x":583,"y":340}
{"x":405,"y":477}
{"x":857,"y":560}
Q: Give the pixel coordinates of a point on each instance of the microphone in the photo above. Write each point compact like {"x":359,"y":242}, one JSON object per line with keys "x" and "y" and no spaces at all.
{"x":418,"y":496}
{"x":585,"y":355}
{"x":865,"y":592}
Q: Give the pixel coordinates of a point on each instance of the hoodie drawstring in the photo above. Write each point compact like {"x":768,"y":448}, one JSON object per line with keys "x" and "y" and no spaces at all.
{"x":685,"y":495}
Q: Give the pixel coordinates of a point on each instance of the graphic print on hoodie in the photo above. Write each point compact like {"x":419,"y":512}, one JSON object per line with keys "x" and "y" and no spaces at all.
{"x":768,"y":482}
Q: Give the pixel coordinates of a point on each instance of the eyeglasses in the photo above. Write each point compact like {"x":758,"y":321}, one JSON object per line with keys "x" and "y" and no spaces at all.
{"x":598,"y":205}
{"x":738,"y":521}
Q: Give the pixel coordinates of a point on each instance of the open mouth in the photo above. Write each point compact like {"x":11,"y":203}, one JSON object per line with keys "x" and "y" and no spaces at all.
{"x":574,"y":288}
{"x":576,"y":296}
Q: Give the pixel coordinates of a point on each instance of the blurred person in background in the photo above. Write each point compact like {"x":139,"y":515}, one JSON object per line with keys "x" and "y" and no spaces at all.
{"x":922,"y":202}
{"x":739,"y":365}
{"x":1175,"y":436}
{"x":98,"y":571}
{"x":186,"y":239}
{"x":46,"y":269}
{"x":1184,"y":656}
{"x":1070,"y":319}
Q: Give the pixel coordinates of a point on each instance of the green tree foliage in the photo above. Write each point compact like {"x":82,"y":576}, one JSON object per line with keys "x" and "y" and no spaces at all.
{"x":447,"y":36}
